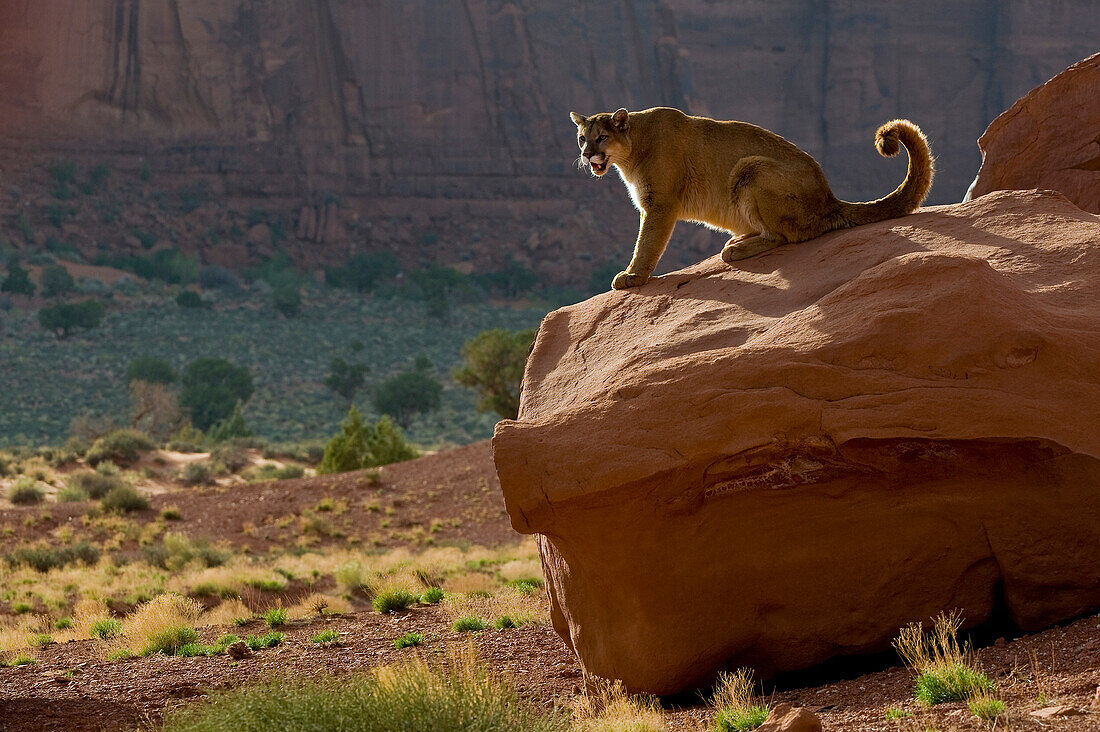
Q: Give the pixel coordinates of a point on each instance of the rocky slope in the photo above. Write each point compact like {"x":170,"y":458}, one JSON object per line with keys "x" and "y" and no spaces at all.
{"x":838,"y":438}
{"x":414,"y":125}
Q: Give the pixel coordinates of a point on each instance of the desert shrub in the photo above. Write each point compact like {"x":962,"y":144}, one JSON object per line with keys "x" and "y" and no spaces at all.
{"x":219,"y":278}
{"x":120,"y":446}
{"x":275,"y":617}
{"x":232,"y":427}
{"x":361,"y":272}
{"x":406,"y":395}
{"x":986,"y":707}
{"x":197,"y":473}
{"x":176,"y":550}
{"x":345,"y":378}
{"x":431,"y":596}
{"x":18,"y":281}
{"x":469,"y":624}
{"x":359,"y":445}
{"x":388,"y":445}
{"x":168,"y":265}
{"x":287,"y":299}
{"x":56,"y":281}
{"x":267,"y":640}
{"x":93,"y":484}
{"x":25,"y":492}
{"x":44,"y":558}
{"x":151,"y":370}
{"x":944,"y":667}
{"x":409,"y":640}
{"x":106,"y":628}
{"x":124,"y":499}
{"x":608,"y":708}
{"x":72,"y":494}
{"x":739,"y":708}
{"x":169,"y":640}
{"x":325,"y":636}
{"x":162,"y":625}
{"x":154,"y":408}
{"x":289,"y":472}
{"x":494,"y":363}
{"x":171,"y":513}
{"x":65,"y":317}
{"x":212,"y":387}
{"x":190,"y":300}
{"x":232,"y":456}
{"x":391,"y":601}
{"x":465,"y":698}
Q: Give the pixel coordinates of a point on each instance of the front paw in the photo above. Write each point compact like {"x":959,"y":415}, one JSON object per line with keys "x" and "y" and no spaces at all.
{"x":624,"y":280}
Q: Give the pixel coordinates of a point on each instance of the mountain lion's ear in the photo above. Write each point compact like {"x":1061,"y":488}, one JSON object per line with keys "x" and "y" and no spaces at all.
{"x":621,"y":120}
{"x":577,"y":119}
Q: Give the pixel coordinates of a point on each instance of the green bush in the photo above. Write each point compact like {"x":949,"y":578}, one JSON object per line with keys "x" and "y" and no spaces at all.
{"x":408,"y":640}
{"x":325,"y":636}
{"x":92,"y":484}
{"x":124,"y":499}
{"x":170,"y":640}
{"x":391,"y":601}
{"x":230,"y":428}
{"x":120,"y":446}
{"x":65,"y":317}
{"x":267,"y":640}
{"x":63,"y":623}
{"x":177,"y":550}
{"x":287,"y":299}
{"x":232,"y":456}
{"x":275,"y":617}
{"x":345,"y":378}
{"x":431,"y":596}
{"x":469,"y":624}
{"x":406,"y":395}
{"x":25,"y":492}
{"x":212,"y":387}
{"x":167,"y":265}
{"x":72,"y":494}
{"x":740,"y":720}
{"x":950,"y":682}
{"x":56,"y":281}
{"x":361,"y":272}
{"x":106,"y":628}
{"x":196,"y":473}
{"x":504,"y":622}
{"x":986,"y":707}
{"x":43,"y":559}
{"x":151,"y":370}
{"x":415,"y":697}
{"x":18,"y":281}
{"x":189,"y":300}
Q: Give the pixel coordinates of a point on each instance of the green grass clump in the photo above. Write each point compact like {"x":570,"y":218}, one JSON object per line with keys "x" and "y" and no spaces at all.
{"x":63,"y":623}
{"x":25,"y":492}
{"x":408,"y":641}
{"x":124,"y":499}
{"x":325,"y":636}
{"x":44,"y":558}
{"x":739,"y":708}
{"x":431,"y":596}
{"x":504,"y":622}
{"x":71,"y":494}
{"x":21,"y":608}
{"x":267,"y":640}
{"x":411,"y":697}
{"x":468,"y":624}
{"x":391,"y":601}
{"x":119,"y":654}
{"x":241,"y":621}
{"x":895,"y":713}
{"x":275,"y":617}
{"x":40,"y":639}
{"x":226,"y":640}
{"x":22,"y":660}
{"x":93,"y":484}
{"x":986,"y":707}
{"x":945,"y":669}
{"x":106,"y":628}
{"x":170,"y":640}
{"x":190,"y":650}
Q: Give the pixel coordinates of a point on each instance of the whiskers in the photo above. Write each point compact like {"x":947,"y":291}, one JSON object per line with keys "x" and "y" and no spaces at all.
{"x":580,"y":162}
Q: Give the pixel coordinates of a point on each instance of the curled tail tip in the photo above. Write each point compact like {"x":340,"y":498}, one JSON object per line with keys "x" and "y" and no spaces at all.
{"x":888,"y":137}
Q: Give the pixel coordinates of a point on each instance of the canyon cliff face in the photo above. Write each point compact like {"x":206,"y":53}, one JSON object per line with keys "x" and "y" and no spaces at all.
{"x":422,"y":119}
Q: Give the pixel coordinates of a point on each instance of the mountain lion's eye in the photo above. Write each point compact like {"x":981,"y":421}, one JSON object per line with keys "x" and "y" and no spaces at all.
{"x":601,"y":138}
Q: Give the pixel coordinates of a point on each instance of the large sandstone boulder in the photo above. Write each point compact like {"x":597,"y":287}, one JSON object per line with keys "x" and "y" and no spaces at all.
{"x":780,"y":463}
{"x":1048,"y":139}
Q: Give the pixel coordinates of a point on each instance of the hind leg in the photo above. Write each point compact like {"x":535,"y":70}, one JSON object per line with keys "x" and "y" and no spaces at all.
{"x":743,"y":247}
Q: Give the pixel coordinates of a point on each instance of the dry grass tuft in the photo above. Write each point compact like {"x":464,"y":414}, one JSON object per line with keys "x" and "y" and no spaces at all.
{"x":946,"y":670}
{"x":524,"y":608}
{"x":226,"y":612}
{"x":739,"y":707}
{"x":606,"y":707}
{"x":153,"y":620}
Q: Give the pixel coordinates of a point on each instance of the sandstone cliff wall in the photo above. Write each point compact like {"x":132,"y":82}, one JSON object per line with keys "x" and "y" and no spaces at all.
{"x":458,"y":107}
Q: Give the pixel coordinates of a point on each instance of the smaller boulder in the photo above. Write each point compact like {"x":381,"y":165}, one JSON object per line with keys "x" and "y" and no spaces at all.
{"x":1061,"y":710}
{"x":785,"y":718}
{"x":239,"y":651}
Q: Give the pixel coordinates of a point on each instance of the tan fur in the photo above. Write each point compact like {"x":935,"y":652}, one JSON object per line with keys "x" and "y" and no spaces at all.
{"x":735,"y":177}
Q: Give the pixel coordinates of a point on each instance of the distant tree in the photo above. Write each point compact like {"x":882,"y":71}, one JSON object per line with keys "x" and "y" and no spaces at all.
{"x":154,"y":409}
{"x":189,"y":299}
{"x":18,"y":281}
{"x":494,"y":362}
{"x":62,"y":319}
{"x":406,"y":395}
{"x":211,"y":389}
{"x":287,"y":300}
{"x":150,"y":369}
{"x":387,"y":443}
{"x":512,"y":280}
{"x":362,"y":271}
{"x":233,"y":426}
{"x":56,"y":281}
{"x":346,"y":379}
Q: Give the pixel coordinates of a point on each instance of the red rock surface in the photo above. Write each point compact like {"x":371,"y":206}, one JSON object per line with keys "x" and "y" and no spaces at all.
{"x":1048,"y":139}
{"x":779,"y":464}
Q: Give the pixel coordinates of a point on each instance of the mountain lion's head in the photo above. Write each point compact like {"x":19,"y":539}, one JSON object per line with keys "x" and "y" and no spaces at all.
{"x":603,"y":138}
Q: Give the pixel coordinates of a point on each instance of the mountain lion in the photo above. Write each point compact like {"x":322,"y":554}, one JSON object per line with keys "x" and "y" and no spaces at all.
{"x":735,"y":177}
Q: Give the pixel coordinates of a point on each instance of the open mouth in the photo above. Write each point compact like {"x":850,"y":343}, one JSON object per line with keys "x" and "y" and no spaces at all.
{"x":598,"y":168}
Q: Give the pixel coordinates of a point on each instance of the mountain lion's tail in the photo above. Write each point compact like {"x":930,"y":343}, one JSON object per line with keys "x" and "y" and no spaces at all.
{"x":907,"y":197}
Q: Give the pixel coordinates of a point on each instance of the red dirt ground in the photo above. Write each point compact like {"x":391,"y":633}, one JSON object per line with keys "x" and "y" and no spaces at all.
{"x":1058,"y":666}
